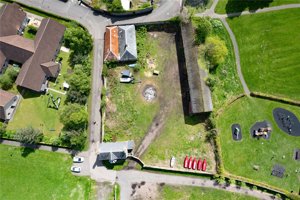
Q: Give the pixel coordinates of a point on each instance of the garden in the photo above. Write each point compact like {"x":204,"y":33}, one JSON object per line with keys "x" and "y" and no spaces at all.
{"x":60,"y":116}
{"x":254,"y":158}
{"x":235,"y":6}
{"x":130,"y":115}
{"x":37,"y":174}
{"x":269,"y":44}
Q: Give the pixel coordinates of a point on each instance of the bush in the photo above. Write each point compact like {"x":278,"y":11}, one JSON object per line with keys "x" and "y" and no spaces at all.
{"x":210,"y":82}
{"x":203,"y":29}
{"x":32,"y":29}
{"x":29,"y":135}
{"x":74,"y":117}
{"x":74,"y":139}
{"x":6,"y":82}
{"x":114,"y":6}
{"x":8,"y":78}
{"x":216,"y":51}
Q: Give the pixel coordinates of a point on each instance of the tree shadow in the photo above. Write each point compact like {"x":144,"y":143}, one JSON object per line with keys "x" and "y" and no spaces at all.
{"x":238,"y":6}
{"x":26,"y":151}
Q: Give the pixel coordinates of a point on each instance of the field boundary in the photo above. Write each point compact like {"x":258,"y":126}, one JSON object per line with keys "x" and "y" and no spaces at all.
{"x":275,"y":98}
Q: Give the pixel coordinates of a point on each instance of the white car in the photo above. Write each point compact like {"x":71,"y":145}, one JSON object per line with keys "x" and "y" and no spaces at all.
{"x":78,"y":159}
{"x":76,"y":169}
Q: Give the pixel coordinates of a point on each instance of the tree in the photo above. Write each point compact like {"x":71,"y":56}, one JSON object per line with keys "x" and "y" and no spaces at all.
{"x":78,"y":40}
{"x":74,"y":138}
{"x":114,"y":6}
{"x":216,"y":51}
{"x":203,"y":29}
{"x":74,"y":117}
{"x":29,"y":135}
{"x":5,"y":82}
{"x":12,"y":73}
{"x":79,"y":87}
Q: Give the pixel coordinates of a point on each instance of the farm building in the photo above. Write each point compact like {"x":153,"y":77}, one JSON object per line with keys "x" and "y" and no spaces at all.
{"x":120,"y":43}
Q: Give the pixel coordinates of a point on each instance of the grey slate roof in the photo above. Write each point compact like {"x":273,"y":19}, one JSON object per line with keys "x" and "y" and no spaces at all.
{"x":115,"y":150}
{"x":127,"y":43}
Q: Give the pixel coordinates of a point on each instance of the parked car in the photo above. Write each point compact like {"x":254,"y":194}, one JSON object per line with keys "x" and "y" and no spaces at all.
{"x":76,"y":169}
{"x":78,"y":159}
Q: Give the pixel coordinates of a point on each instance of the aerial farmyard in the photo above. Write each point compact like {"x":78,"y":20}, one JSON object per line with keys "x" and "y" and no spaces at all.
{"x":149,"y":99}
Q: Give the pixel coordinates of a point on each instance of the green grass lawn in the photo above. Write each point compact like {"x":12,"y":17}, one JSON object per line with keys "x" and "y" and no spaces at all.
{"x":128,"y":115}
{"x":194,"y":193}
{"x":269,"y":47}
{"x":231,"y":6}
{"x":65,"y":72}
{"x":227,"y":84}
{"x":239,"y":157}
{"x":180,"y":137}
{"x":33,"y":111}
{"x":39,"y":175}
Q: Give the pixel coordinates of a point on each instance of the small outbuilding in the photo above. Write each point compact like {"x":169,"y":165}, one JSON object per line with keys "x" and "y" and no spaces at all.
{"x":114,"y":151}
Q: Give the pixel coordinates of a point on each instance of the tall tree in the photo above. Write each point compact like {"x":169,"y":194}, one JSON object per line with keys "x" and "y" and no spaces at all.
{"x":74,"y":117}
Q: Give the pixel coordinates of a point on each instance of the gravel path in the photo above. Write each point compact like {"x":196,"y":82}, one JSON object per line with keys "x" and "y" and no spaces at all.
{"x":127,"y":180}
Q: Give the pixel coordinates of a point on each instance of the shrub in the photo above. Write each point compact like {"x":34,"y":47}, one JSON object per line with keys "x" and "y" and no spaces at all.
{"x":32,"y":29}
{"x":114,"y":6}
{"x":210,"y":82}
{"x":107,"y":138}
{"x":6,"y":82}
{"x":74,"y":139}
{"x":203,"y":29}
{"x":216,"y":51}
{"x":2,"y":129}
{"x":74,"y":117}
{"x":29,"y":135}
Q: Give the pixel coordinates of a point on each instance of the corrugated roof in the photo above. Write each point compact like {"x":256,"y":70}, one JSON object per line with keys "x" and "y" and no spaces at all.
{"x":111,"y":44}
{"x":200,"y":96}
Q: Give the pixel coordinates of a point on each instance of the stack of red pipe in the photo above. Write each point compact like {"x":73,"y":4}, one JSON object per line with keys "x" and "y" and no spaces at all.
{"x":191,"y":163}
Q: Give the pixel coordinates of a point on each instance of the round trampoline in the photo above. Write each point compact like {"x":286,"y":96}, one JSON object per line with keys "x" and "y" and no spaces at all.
{"x":287,"y":121}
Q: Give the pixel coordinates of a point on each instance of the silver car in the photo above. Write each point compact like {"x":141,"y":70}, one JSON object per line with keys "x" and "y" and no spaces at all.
{"x":78,"y":159}
{"x":76,"y":169}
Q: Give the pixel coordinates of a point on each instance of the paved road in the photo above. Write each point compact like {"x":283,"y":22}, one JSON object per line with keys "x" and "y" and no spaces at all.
{"x":126,"y":180}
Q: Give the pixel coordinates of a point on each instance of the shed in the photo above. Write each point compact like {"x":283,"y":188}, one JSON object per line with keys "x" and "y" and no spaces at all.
{"x":113,"y":151}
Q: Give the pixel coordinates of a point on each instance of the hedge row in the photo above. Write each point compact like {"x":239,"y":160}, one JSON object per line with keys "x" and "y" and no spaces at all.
{"x":275,"y":98}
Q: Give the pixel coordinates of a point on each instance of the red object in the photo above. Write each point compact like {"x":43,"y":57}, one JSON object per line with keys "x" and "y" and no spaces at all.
{"x":190,"y":163}
{"x":194,"y":164}
{"x":199,"y":164}
{"x":186,"y":162}
{"x":204,"y":165}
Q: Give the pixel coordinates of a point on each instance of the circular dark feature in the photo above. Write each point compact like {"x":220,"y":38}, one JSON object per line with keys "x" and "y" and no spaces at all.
{"x":287,"y":121}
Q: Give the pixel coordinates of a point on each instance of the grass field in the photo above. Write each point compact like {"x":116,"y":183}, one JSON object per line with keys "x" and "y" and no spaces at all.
{"x":231,"y":6}
{"x":33,"y":111}
{"x":194,"y":193}
{"x":39,"y":175}
{"x":227,"y":84}
{"x":180,"y":138}
{"x":239,"y":157}
{"x":269,"y":47}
